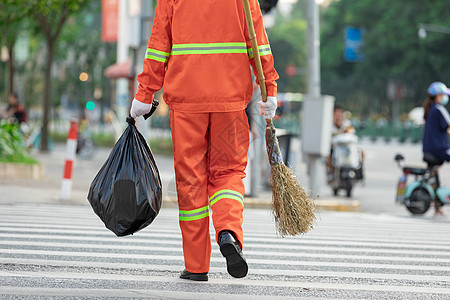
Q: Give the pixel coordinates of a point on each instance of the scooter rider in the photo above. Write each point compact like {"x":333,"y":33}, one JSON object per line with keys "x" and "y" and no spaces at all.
{"x":340,"y":125}
{"x":437,"y":123}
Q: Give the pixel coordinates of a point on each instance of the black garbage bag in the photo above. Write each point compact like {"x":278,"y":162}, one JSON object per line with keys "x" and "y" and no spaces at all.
{"x":126,"y":193}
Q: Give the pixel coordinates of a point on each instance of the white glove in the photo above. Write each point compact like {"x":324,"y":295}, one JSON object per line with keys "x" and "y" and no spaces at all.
{"x":267,"y":109}
{"x":139,"y":108}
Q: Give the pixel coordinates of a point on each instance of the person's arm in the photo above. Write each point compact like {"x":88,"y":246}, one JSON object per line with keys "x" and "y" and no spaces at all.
{"x":158,"y":51}
{"x":264,"y":51}
{"x":444,"y":118}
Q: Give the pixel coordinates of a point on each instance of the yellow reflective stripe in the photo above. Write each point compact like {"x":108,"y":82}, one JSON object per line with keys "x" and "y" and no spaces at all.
{"x":208,"y":48}
{"x":206,"y":45}
{"x":195,"y":214}
{"x":157,"y":55}
{"x":263,"y":50}
{"x":226,"y":194}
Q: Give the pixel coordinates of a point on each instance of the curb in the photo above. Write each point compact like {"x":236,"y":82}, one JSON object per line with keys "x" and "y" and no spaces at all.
{"x":21,"y":171}
{"x":339,"y":205}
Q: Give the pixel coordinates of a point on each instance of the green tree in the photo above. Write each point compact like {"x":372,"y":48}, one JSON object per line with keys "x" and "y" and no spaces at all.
{"x":287,"y":40}
{"x":392,"y":49}
{"x":50,"y":17}
{"x":82,"y":50}
{"x":11,"y":24}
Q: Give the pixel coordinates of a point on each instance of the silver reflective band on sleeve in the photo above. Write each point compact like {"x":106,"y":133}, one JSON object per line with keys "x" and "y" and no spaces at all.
{"x":157,"y":55}
{"x":263,"y":50}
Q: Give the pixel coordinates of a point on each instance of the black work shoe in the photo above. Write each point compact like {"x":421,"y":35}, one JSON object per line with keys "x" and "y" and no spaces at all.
{"x":236,"y":264}
{"x":185,"y":274}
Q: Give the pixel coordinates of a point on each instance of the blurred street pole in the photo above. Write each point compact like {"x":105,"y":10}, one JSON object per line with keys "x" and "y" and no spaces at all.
{"x":135,"y":21}
{"x":317,"y":109}
{"x":123,"y":41}
{"x":140,"y":12}
{"x":313,"y":42}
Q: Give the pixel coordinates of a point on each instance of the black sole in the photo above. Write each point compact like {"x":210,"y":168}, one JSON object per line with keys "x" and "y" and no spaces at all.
{"x":236,"y":264}
{"x":195,"y":277}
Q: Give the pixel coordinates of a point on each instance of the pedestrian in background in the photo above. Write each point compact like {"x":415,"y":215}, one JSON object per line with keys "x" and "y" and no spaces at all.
{"x":437,"y":123}
{"x":200,"y":51}
{"x":15,"y":111}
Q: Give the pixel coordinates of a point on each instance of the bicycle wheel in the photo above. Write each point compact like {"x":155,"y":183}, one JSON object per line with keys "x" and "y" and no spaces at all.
{"x":419,"y":202}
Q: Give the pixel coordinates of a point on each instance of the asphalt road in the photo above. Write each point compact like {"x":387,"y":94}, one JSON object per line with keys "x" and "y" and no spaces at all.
{"x":65,"y":252}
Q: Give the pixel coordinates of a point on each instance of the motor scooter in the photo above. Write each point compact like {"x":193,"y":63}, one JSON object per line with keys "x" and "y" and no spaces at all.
{"x":347,"y":163}
{"x":418,"y":194}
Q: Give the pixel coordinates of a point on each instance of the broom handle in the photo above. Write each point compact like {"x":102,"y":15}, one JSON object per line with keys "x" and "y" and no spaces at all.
{"x":254,"y":43}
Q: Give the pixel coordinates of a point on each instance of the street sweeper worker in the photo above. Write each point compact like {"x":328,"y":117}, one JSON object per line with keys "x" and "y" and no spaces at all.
{"x":201,"y":52}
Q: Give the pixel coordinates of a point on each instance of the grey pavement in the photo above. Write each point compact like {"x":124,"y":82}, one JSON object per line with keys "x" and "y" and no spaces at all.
{"x":65,"y":252}
{"x":376,"y":194}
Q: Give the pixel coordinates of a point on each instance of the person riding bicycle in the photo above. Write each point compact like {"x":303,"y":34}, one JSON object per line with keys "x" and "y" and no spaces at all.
{"x":437,"y":126}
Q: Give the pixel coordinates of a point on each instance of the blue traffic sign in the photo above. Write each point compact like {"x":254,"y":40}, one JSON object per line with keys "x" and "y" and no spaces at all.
{"x":353,"y":44}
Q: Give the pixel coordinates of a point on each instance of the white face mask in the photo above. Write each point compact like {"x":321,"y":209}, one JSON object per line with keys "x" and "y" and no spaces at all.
{"x":444,"y":100}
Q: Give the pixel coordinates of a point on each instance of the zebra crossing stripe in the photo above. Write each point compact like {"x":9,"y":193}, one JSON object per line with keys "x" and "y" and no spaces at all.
{"x":217,"y":270}
{"x":176,"y":247}
{"x":303,"y":245}
{"x":34,"y":292}
{"x":242,"y":282}
{"x":272,"y":262}
{"x":344,"y":258}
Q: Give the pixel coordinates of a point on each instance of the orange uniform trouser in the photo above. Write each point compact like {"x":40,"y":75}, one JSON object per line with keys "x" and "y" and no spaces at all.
{"x":210,"y":156}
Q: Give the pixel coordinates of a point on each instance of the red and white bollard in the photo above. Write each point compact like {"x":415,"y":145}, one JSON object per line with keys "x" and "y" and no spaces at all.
{"x":71,"y":149}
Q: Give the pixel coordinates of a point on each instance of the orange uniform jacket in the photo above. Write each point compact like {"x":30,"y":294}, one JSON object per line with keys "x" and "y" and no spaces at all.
{"x":200,"y":51}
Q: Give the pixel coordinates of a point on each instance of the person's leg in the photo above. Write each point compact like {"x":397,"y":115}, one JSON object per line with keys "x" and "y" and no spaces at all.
{"x":227,"y":162}
{"x":190,"y":147}
{"x":437,"y":203}
{"x":445,"y":157}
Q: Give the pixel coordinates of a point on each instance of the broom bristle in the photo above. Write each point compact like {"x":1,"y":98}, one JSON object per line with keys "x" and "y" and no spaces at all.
{"x":292,"y":208}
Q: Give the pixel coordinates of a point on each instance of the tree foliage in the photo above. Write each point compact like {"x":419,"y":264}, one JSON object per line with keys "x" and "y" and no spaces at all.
{"x":392,"y":49}
{"x":82,"y":50}
{"x":11,"y":25}
{"x":394,"y":54}
{"x":50,"y":16}
{"x":287,"y":41}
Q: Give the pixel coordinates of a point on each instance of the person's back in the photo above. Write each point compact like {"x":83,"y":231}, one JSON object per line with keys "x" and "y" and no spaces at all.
{"x":435,"y":131}
{"x":437,"y":121}
{"x":201,"y":52}
{"x":207,"y":51}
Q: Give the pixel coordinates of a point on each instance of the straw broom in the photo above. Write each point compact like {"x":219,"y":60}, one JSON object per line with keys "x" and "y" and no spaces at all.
{"x":292,"y":208}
